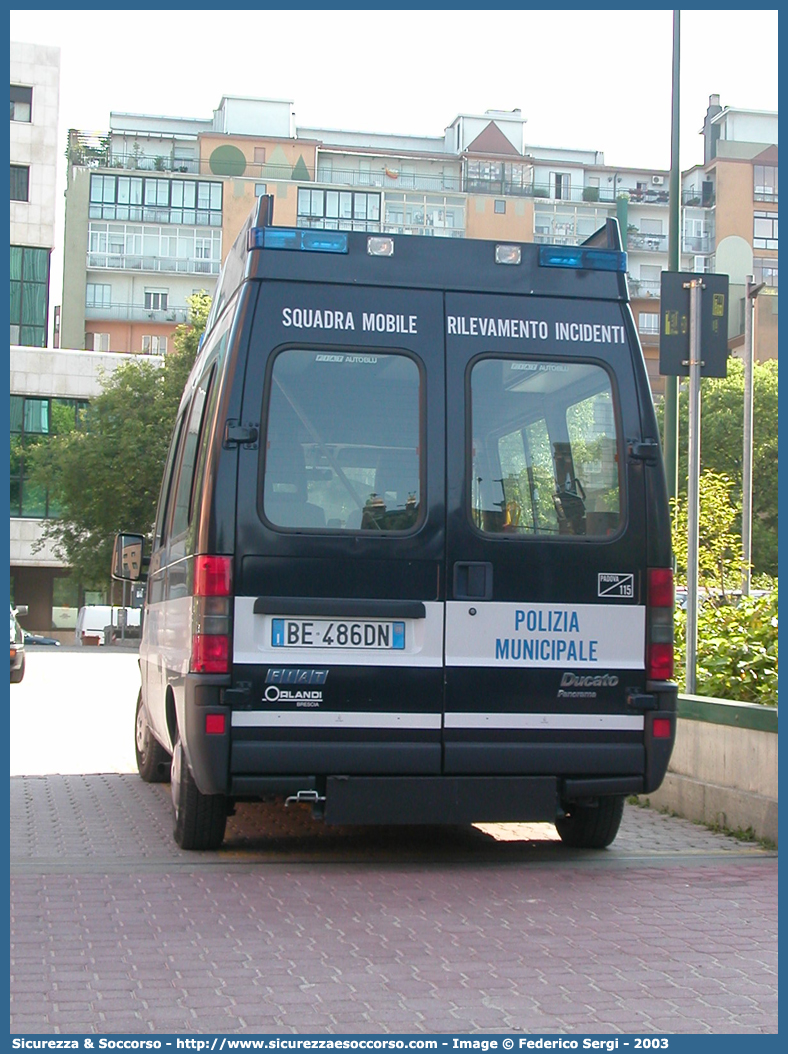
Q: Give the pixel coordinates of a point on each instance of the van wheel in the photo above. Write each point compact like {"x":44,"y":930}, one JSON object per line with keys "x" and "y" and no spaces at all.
{"x":153,"y":761}
{"x":17,"y":675}
{"x":200,"y":819}
{"x":591,"y":826}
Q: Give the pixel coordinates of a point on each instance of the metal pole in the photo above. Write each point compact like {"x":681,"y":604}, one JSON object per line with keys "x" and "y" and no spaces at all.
{"x":750,"y":293}
{"x":671,"y":421}
{"x":693,"y":484}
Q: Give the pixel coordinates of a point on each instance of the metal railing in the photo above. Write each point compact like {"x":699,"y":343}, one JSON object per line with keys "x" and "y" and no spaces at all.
{"x":136,"y":313}
{"x":696,"y":243}
{"x":155,"y":214}
{"x":94,"y":150}
{"x":387,"y":179}
{"x":170,"y":264}
{"x":696,"y":197}
{"x":657,"y":243}
{"x":643,"y":287}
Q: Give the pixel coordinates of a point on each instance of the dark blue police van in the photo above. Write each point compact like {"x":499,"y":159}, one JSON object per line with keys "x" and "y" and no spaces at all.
{"x":412,"y":560}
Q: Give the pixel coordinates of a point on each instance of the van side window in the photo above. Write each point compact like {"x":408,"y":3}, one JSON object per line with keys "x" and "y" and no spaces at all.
{"x":343,"y":444}
{"x":544,"y":452}
{"x":181,"y":514}
{"x":166,"y":487}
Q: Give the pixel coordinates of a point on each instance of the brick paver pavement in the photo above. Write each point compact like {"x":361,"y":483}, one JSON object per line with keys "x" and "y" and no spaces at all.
{"x":296,"y":928}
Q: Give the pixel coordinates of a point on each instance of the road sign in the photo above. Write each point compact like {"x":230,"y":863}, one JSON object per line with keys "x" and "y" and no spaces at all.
{"x":674,"y":329}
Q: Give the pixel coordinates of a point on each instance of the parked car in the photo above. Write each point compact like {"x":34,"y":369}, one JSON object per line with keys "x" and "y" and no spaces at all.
{"x":38,"y":639}
{"x":17,"y":645}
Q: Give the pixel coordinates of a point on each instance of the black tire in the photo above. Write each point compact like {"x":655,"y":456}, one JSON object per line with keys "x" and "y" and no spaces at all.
{"x":17,"y":675}
{"x":199,"y":819}
{"x":153,"y":761}
{"x":591,"y":826}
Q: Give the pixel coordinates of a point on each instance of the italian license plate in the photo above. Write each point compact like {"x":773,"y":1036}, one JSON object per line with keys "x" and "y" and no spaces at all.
{"x":327,"y":633}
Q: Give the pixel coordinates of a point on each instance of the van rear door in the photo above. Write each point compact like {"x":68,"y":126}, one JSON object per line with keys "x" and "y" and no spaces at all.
{"x":546,"y":529}
{"x":338,"y":622}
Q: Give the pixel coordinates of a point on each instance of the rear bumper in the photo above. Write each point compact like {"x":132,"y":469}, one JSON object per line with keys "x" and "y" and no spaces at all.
{"x":505,"y":778}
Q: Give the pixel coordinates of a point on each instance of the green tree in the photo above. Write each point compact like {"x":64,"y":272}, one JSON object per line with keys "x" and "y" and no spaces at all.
{"x":737,"y":649}
{"x":719,"y":543}
{"x":722,"y":427}
{"x":105,"y":477}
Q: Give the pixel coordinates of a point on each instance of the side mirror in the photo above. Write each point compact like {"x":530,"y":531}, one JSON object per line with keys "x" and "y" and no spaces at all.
{"x":21,"y":610}
{"x":127,"y":557}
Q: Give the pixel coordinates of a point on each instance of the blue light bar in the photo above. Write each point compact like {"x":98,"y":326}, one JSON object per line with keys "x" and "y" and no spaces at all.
{"x":291,"y":238}
{"x":582,"y":259}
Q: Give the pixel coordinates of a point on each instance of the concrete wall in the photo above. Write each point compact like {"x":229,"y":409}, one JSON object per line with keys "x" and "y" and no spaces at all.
{"x":724,"y":766}
{"x":34,"y":143}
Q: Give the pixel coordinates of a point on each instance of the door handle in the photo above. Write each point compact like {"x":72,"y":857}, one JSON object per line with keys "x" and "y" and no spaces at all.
{"x":473,"y":580}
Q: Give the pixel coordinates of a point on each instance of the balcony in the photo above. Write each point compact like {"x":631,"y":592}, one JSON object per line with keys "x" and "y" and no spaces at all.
{"x":698,"y":243}
{"x":387,"y":179}
{"x":545,"y":238}
{"x":654,"y":243}
{"x":166,"y":264}
{"x":642,"y":287}
{"x":136,"y":313}
{"x":699,"y":198}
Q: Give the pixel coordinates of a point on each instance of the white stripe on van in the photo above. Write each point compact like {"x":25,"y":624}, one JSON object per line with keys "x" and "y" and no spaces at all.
{"x":575,"y":722}
{"x":331,"y":719}
{"x":356,"y":719}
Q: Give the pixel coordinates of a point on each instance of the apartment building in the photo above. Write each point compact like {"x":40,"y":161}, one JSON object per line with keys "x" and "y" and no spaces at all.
{"x":154,"y":204}
{"x":730,"y":216}
{"x":35,"y":81}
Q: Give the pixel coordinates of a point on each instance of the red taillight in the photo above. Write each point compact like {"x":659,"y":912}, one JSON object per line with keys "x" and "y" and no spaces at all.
{"x":212,"y":576}
{"x":215,"y":724}
{"x":659,"y":652}
{"x":660,"y":728}
{"x":660,"y":587}
{"x":211,"y":614}
{"x":210,"y":653}
{"x":660,"y":662}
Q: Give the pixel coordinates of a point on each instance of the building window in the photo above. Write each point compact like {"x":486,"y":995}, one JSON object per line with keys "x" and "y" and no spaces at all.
{"x":434,"y":215}
{"x":33,"y":420}
{"x":562,"y":184}
{"x":133,"y":247}
{"x":29,"y":284}
{"x":152,"y":200}
{"x":20,"y":183}
{"x":764,"y":230}
{"x":496,"y":177}
{"x":259,"y":190}
{"x":765,"y":182}
{"x":500,"y":206}
{"x":344,"y":210}
{"x":156,"y":299}
{"x":259,"y":155}
{"x":154,"y":345}
{"x":98,"y":295}
{"x":648,"y":323}
{"x":97,"y":341}
{"x":765,"y":270}
{"x":21,"y":103}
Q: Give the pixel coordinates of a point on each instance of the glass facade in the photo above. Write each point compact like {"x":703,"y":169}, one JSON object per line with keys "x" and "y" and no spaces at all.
{"x":29,"y":284}
{"x":32,"y":421}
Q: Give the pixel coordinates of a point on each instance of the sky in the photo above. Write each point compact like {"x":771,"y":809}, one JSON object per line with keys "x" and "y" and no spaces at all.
{"x":596,"y":80}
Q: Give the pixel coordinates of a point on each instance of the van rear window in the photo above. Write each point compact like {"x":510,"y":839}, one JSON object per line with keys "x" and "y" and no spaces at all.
{"x":544,"y":452}
{"x":343,"y":445}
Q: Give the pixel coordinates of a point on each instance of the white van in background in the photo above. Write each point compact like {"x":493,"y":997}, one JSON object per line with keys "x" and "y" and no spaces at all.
{"x":94,"y":618}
